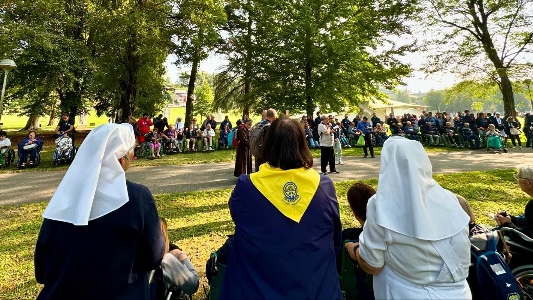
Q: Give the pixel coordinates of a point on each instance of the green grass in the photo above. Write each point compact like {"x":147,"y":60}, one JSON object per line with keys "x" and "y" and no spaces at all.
{"x":199,"y":222}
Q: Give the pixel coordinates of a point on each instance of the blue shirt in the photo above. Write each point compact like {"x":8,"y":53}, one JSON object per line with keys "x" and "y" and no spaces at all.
{"x":363,"y":127}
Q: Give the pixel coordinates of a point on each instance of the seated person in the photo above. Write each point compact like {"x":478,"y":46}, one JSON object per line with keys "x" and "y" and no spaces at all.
{"x":470,"y":137}
{"x":494,"y":141}
{"x":155,"y":138}
{"x":380,"y":133}
{"x":344,"y":141}
{"x":5,"y":144}
{"x":171,"y":141}
{"x":208,"y":136}
{"x":199,"y":138}
{"x":410,"y":131}
{"x":433,"y":134}
{"x":397,"y":129}
{"x":223,"y":137}
{"x":358,"y":196}
{"x":474,"y":228}
{"x":65,"y":125}
{"x":30,"y":145}
{"x":451,"y":135}
{"x":523,"y":223}
{"x":309,"y":136}
{"x":176,"y":268}
{"x":190,"y":138}
{"x":63,"y":144}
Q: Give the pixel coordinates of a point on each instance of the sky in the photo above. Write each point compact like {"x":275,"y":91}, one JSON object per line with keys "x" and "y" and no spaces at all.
{"x":417,"y":82}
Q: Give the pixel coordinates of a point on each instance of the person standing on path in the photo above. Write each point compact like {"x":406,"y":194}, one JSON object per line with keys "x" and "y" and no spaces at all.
{"x":243,"y":158}
{"x":366,"y":128}
{"x":271,"y":116}
{"x":326,"y":140}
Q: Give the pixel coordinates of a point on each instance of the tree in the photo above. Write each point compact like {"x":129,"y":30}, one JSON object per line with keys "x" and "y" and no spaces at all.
{"x":327,"y":54}
{"x":233,"y":85}
{"x":204,"y":96}
{"x":195,"y":25}
{"x":47,"y":40}
{"x":130,"y":70}
{"x":482,"y":38}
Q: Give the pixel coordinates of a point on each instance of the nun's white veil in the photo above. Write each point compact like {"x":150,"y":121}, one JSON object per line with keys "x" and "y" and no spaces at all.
{"x":408,"y":200}
{"x":95,"y":183}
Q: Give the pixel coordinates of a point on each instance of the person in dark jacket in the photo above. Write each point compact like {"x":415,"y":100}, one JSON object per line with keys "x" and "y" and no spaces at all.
{"x":243,"y":158}
{"x":101,"y":234}
{"x":287,"y":225}
{"x":523,"y":223}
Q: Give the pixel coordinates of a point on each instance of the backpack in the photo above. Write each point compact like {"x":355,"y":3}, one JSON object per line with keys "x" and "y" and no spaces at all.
{"x":491,"y":277}
{"x":256,"y":137}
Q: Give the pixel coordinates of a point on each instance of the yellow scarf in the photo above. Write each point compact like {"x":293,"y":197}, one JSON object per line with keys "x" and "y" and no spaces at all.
{"x":290,"y":191}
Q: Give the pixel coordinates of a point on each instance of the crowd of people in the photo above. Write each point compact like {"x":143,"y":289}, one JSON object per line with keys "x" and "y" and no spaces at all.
{"x":102,"y":234}
{"x":162,"y":137}
{"x":462,"y":129}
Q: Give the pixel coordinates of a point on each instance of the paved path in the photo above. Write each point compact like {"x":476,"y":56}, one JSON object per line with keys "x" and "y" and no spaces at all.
{"x":39,"y":186}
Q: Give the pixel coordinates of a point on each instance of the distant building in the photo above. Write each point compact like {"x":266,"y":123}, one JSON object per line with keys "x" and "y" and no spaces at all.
{"x":180,"y":97}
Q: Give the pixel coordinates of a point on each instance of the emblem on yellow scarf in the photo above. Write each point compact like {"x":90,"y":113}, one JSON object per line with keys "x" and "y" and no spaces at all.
{"x":290,"y":190}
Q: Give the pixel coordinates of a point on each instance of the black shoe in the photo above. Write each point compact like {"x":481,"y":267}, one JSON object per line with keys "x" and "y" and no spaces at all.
{"x":335,"y":172}
{"x":365,"y":156}
{"x":372,"y":156}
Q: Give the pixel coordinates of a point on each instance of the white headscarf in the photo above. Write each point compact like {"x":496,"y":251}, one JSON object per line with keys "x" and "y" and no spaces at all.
{"x":408,"y":200}
{"x":95,"y":183}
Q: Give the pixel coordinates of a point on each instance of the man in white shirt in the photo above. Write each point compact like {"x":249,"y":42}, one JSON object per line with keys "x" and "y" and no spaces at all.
{"x":326,"y":140}
{"x":208,"y":135}
{"x":5,"y":144}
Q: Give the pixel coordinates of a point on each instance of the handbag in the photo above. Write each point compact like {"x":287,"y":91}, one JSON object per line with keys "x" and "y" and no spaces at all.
{"x":361,"y":140}
{"x":515,"y":131}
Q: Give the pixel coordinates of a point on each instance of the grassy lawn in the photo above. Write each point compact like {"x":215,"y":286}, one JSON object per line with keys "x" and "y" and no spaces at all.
{"x":199,"y":222}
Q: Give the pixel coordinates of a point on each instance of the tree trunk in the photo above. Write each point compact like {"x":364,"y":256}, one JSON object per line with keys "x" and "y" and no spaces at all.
{"x":32,"y":123}
{"x":189,"y":107}
{"x":481,"y":25}
{"x":53,"y":116}
{"x":507,"y":92}
{"x":308,"y":65}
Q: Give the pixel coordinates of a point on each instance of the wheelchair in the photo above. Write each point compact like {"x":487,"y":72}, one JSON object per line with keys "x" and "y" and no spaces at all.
{"x":7,"y":157}
{"x":62,"y":156}
{"x":21,"y":163}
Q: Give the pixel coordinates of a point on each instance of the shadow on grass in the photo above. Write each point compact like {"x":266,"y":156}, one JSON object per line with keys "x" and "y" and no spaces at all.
{"x":199,"y":230}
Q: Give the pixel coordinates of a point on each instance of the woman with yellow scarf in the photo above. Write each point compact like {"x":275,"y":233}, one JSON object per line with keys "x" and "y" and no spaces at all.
{"x":287,"y":225}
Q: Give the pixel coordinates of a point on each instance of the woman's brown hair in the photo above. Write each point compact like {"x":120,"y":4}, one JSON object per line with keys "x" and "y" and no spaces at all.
{"x":358,"y":196}
{"x":285,"y":146}
{"x":164,"y":230}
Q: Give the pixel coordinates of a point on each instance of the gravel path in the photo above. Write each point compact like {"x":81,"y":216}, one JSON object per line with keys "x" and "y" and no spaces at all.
{"x":39,"y":186}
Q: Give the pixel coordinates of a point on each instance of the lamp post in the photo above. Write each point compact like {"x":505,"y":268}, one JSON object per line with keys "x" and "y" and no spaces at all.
{"x":6,"y":65}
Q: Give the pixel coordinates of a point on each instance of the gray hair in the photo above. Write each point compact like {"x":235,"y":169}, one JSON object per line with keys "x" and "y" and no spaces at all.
{"x":525,"y":171}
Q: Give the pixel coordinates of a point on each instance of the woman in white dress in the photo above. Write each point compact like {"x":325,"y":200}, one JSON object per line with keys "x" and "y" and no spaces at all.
{"x":415,"y":240}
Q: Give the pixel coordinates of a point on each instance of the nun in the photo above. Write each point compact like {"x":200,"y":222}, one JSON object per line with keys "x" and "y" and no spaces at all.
{"x":415,"y":239}
{"x":100,"y":235}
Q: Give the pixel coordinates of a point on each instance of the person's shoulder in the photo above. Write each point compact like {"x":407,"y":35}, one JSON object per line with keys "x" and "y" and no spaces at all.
{"x":137,"y":189}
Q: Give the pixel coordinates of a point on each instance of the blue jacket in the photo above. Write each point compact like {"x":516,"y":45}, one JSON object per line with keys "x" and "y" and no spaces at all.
{"x":363,"y":127}
{"x":276,"y":258}
{"x":107,"y":259}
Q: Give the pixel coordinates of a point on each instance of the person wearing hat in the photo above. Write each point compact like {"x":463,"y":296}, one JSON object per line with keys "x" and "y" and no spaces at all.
{"x":101,"y":233}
